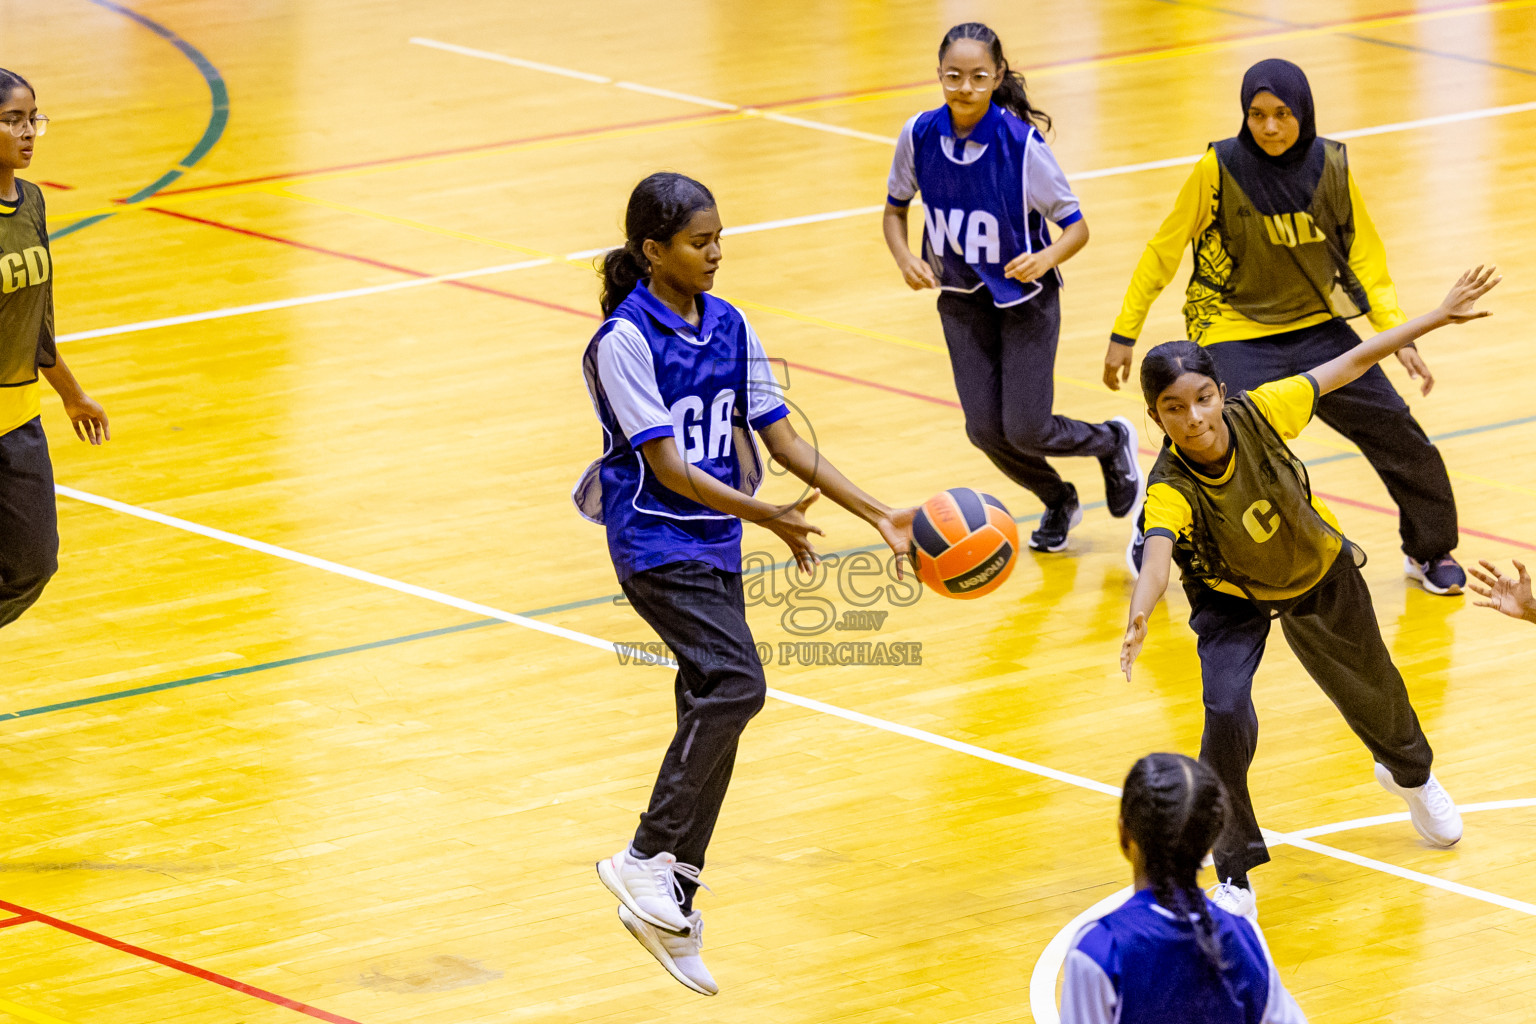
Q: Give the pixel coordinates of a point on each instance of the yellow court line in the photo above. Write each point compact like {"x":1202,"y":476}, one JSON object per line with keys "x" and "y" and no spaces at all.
{"x":810,"y":318}
{"x":36,"y":1016}
{"x":1188,"y":50}
{"x":283,"y":192}
{"x":805,"y":318}
{"x":790,"y":314}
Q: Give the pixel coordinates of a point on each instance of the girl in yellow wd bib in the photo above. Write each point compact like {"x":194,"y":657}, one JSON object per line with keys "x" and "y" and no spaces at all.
{"x":1232,"y":505}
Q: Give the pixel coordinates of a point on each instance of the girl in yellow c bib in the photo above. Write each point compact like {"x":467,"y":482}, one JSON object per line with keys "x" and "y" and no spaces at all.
{"x":1232,"y":505}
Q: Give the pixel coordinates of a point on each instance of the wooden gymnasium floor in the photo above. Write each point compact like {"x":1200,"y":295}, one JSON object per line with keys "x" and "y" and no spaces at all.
{"x":277,"y":744}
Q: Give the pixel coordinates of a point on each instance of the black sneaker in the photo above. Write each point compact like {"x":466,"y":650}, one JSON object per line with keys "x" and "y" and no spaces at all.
{"x":1438,"y":575}
{"x":1054,"y":524}
{"x":1123,"y":480}
{"x":1135,"y":549}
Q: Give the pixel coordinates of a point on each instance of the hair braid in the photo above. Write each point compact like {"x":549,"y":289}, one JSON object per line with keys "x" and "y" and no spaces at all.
{"x":1174,"y":808}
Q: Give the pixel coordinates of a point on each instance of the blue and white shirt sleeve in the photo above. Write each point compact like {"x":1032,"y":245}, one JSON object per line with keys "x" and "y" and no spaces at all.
{"x":765,"y":395}
{"x":1280,"y":1008}
{"x":1088,"y":992}
{"x":902,"y":185}
{"x":1046,"y":185}
{"x":627,"y":372}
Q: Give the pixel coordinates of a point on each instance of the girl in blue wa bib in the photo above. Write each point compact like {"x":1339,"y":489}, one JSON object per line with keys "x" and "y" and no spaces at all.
{"x":680,"y":383}
{"x":989,"y":184}
{"x":1168,"y":955}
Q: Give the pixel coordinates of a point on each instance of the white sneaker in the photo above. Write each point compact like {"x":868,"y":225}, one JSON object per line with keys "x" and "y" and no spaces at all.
{"x":1433,"y":811}
{"x":648,"y":887}
{"x":1236,"y":900}
{"x":679,"y":954}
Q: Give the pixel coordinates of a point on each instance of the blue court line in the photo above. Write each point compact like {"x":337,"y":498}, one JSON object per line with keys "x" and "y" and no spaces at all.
{"x":1448,"y":435}
{"x":376,"y":644}
{"x":214,"y":130}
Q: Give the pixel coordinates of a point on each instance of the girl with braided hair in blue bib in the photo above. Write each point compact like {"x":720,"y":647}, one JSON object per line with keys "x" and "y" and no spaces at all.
{"x":1169,"y":955}
{"x":989,"y":184}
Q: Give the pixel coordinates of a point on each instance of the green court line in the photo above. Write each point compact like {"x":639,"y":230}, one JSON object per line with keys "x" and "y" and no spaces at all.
{"x":549,"y":610}
{"x":246,"y":670}
{"x":374,"y":645}
{"x":214,"y":130}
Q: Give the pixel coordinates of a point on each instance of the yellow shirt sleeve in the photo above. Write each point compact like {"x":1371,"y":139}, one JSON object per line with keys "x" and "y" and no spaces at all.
{"x":1191,"y":215}
{"x":1288,"y":404}
{"x":1368,"y":259}
{"x":1167,"y":510}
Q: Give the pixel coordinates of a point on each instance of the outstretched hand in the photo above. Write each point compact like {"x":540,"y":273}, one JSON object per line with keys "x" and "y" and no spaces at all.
{"x":789,"y":523}
{"x":1130,"y":647}
{"x":896,"y":528}
{"x":1471,"y":286}
{"x":1504,"y":593}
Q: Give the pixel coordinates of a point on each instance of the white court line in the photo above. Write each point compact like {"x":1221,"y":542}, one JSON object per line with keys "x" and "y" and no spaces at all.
{"x":748,"y":229}
{"x":858,"y":717}
{"x":340,"y":570}
{"x":767,"y":225}
{"x":822,"y":126}
{"x":302,"y":300}
{"x":517,"y":62}
{"x":651,"y":90}
{"x":1042,"y":982}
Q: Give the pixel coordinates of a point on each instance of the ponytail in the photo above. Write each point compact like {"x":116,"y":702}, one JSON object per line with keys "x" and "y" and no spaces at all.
{"x":1011,"y":94}
{"x":1174,"y":808}
{"x":659,"y":207}
{"x":623,"y":268}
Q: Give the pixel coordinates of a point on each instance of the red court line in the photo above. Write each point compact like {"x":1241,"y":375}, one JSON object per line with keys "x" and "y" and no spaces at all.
{"x":874,"y":384}
{"x":177,"y":965}
{"x":846,"y":378}
{"x":575,"y":133}
{"x":23,"y":919}
{"x":581,"y":132}
{"x":1393,"y":512}
{"x":467,"y":285}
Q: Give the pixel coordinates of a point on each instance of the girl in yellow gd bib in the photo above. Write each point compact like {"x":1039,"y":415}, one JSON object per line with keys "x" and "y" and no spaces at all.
{"x":1232,"y":505}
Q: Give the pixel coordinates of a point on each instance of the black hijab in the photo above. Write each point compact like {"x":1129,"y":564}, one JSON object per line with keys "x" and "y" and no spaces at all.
{"x":1284,"y":183}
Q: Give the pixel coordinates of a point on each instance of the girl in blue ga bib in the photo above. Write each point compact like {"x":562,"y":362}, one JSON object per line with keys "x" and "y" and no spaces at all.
{"x":680,"y":384}
{"x":989,"y":184}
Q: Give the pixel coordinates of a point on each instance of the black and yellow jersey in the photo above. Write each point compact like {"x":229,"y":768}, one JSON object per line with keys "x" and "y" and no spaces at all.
{"x":1257,"y":530}
{"x":26,"y":305}
{"x":1210,"y":315}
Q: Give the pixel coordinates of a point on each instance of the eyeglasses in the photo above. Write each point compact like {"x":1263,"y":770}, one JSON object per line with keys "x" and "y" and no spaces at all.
{"x":953,"y":81}
{"x":17,"y":125}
